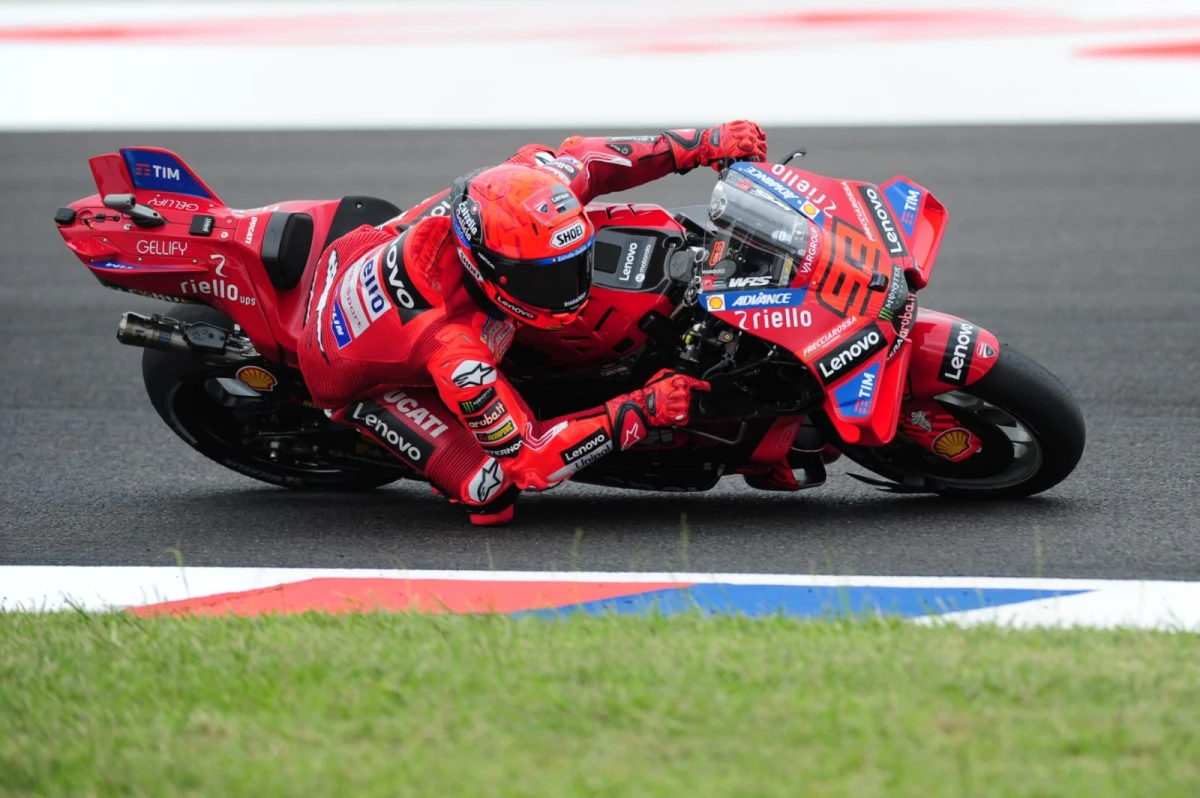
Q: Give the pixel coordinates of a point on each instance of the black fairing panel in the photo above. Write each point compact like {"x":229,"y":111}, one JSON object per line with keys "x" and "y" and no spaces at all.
{"x":633,"y":258}
{"x":285,"y":248}
{"x":355,"y":211}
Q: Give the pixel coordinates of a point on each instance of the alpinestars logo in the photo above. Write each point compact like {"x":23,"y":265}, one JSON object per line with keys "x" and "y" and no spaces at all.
{"x":486,"y":482}
{"x":472,"y":373}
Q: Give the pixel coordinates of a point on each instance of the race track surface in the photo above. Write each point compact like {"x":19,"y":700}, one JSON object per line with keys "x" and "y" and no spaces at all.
{"x":1078,"y":245}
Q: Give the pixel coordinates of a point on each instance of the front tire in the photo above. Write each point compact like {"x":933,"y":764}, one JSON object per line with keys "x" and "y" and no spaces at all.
{"x":1018,"y":404}
{"x":176,"y":385}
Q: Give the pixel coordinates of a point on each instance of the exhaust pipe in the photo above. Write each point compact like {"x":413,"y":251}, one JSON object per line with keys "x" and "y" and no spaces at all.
{"x":182,"y":338}
{"x":152,"y":332}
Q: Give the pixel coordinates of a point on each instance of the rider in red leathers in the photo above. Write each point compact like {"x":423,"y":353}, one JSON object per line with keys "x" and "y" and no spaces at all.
{"x":404,"y":333}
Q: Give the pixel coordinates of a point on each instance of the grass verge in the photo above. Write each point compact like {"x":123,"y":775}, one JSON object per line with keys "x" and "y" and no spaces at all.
{"x":382,"y":704}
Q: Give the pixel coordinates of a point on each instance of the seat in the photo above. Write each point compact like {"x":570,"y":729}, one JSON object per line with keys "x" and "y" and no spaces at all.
{"x":288,"y":240}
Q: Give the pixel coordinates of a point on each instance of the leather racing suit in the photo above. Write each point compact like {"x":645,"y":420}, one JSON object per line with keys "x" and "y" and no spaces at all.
{"x":400,"y":342}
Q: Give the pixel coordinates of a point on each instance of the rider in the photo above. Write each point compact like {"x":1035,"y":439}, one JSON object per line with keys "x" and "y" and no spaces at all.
{"x":404,"y":334}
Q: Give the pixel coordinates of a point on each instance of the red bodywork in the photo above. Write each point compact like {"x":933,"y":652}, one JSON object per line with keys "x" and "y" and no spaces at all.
{"x":225,"y":270}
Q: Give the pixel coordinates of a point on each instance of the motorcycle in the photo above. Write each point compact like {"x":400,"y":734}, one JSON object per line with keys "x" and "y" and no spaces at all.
{"x":795,"y":295}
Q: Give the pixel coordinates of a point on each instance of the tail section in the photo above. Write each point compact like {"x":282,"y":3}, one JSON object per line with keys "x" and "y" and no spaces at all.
{"x":138,"y":169}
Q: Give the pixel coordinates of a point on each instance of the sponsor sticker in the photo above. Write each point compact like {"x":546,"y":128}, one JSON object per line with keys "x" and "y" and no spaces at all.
{"x":850,"y":354}
{"x":905,"y":200}
{"x":473,"y":406}
{"x":960,"y":351}
{"x":510,"y":448}
{"x":341,"y":333}
{"x":956,"y":444}
{"x":856,"y":396}
{"x":828,"y":337}
{"x":892,"y":241}
{"x":486,"y":482}
{"x":490,"y":415}
{"x":782,"y":318}
{"x":749,"y":282}
{"x":415,"y":412}
{"x":373,"y":294}
{"x":569,"y":235}
{"x":597,"y":442}
{"x":502,"y":432}
{"x":473,"y":373}
{"x":714,"y":302}
{"x":160,"y":171}
{"x":257,"y":378}
{"x":757,"y":299}
{"x":396,"y":435}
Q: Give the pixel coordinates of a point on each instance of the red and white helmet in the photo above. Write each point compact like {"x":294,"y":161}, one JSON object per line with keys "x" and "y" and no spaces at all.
{"x":526,"y":240}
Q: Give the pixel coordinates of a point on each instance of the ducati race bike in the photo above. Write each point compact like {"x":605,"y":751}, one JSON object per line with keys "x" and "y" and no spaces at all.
{"x":795,"y":295}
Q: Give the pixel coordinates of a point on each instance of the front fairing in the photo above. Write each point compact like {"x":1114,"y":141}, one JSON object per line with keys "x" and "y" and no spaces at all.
{"x":823,"y":278}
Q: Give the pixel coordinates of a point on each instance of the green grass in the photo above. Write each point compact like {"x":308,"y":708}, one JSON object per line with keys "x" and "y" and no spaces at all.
{"x":445,"y":706}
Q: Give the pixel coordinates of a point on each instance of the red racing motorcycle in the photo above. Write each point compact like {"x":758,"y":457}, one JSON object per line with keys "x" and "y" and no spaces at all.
{"x":794,"y":295}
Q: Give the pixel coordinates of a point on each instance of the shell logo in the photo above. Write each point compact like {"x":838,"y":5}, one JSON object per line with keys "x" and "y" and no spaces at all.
{"x":716,"y":302}
{"x":257,"y":378}
{"x":809,"y":210}
{"x":956,"y":444}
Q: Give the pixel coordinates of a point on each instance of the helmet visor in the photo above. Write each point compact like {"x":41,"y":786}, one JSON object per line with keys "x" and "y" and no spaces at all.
{"x":558,"y":284}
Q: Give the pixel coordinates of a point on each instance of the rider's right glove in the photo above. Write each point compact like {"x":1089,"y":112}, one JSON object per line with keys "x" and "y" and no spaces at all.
{"x":666,"y":401}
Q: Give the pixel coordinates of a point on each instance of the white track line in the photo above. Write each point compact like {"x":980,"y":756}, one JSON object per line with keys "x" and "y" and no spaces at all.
{"x":1108,"y":603}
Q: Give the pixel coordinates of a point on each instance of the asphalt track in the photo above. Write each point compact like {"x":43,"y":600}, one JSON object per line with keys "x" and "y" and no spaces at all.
{"x":1077,"y":245}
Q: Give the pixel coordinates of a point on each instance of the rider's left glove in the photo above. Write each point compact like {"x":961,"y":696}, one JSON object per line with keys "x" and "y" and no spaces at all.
{"x":719,"y":146}
{"x":666,"y":401}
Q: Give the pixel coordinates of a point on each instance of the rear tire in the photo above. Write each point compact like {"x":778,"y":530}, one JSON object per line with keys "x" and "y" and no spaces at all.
{"x":175,"y":384}
{"x":1019,"y":387}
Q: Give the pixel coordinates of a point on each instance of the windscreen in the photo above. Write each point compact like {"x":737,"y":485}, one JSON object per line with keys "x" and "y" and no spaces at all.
{"x":754,"y":239}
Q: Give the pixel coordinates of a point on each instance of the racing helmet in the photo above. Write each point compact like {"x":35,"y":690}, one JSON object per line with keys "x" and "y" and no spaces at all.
{"x":525,"y":239}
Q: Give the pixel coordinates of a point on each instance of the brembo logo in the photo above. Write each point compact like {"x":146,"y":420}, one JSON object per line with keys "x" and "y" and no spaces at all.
{"x":853,"y":353}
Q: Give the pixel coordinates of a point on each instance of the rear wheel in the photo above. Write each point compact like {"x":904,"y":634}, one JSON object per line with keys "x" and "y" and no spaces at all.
{"x":281,"y":443}
{"x":1030,"y":426}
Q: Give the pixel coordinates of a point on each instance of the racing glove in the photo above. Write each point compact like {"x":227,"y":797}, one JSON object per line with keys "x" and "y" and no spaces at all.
{"x":718,"y":146}
{"x":666,"y":401}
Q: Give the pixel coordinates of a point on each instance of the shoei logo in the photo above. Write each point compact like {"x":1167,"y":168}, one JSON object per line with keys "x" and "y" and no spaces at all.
{"x":568,"y":235}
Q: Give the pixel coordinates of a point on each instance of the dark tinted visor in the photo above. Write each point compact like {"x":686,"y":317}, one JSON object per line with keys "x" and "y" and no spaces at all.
{"x":555,"y":284}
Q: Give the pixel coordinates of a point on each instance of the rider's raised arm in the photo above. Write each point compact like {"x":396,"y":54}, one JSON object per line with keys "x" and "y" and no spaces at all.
{"x":602,"y":165}
{"x":595,"y":166}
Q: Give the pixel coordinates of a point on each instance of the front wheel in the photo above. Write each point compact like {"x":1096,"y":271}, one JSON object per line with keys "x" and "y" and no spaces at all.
{"x":1031,"y":427}
{"x":289,"y":444}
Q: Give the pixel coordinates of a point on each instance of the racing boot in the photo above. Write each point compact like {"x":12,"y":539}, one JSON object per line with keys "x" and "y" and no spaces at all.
{"x":777,"y":476}
{"x":496,"y":512}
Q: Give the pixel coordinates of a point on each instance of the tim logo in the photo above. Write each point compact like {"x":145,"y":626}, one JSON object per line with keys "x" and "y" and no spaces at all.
{"x":154,"y":170}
